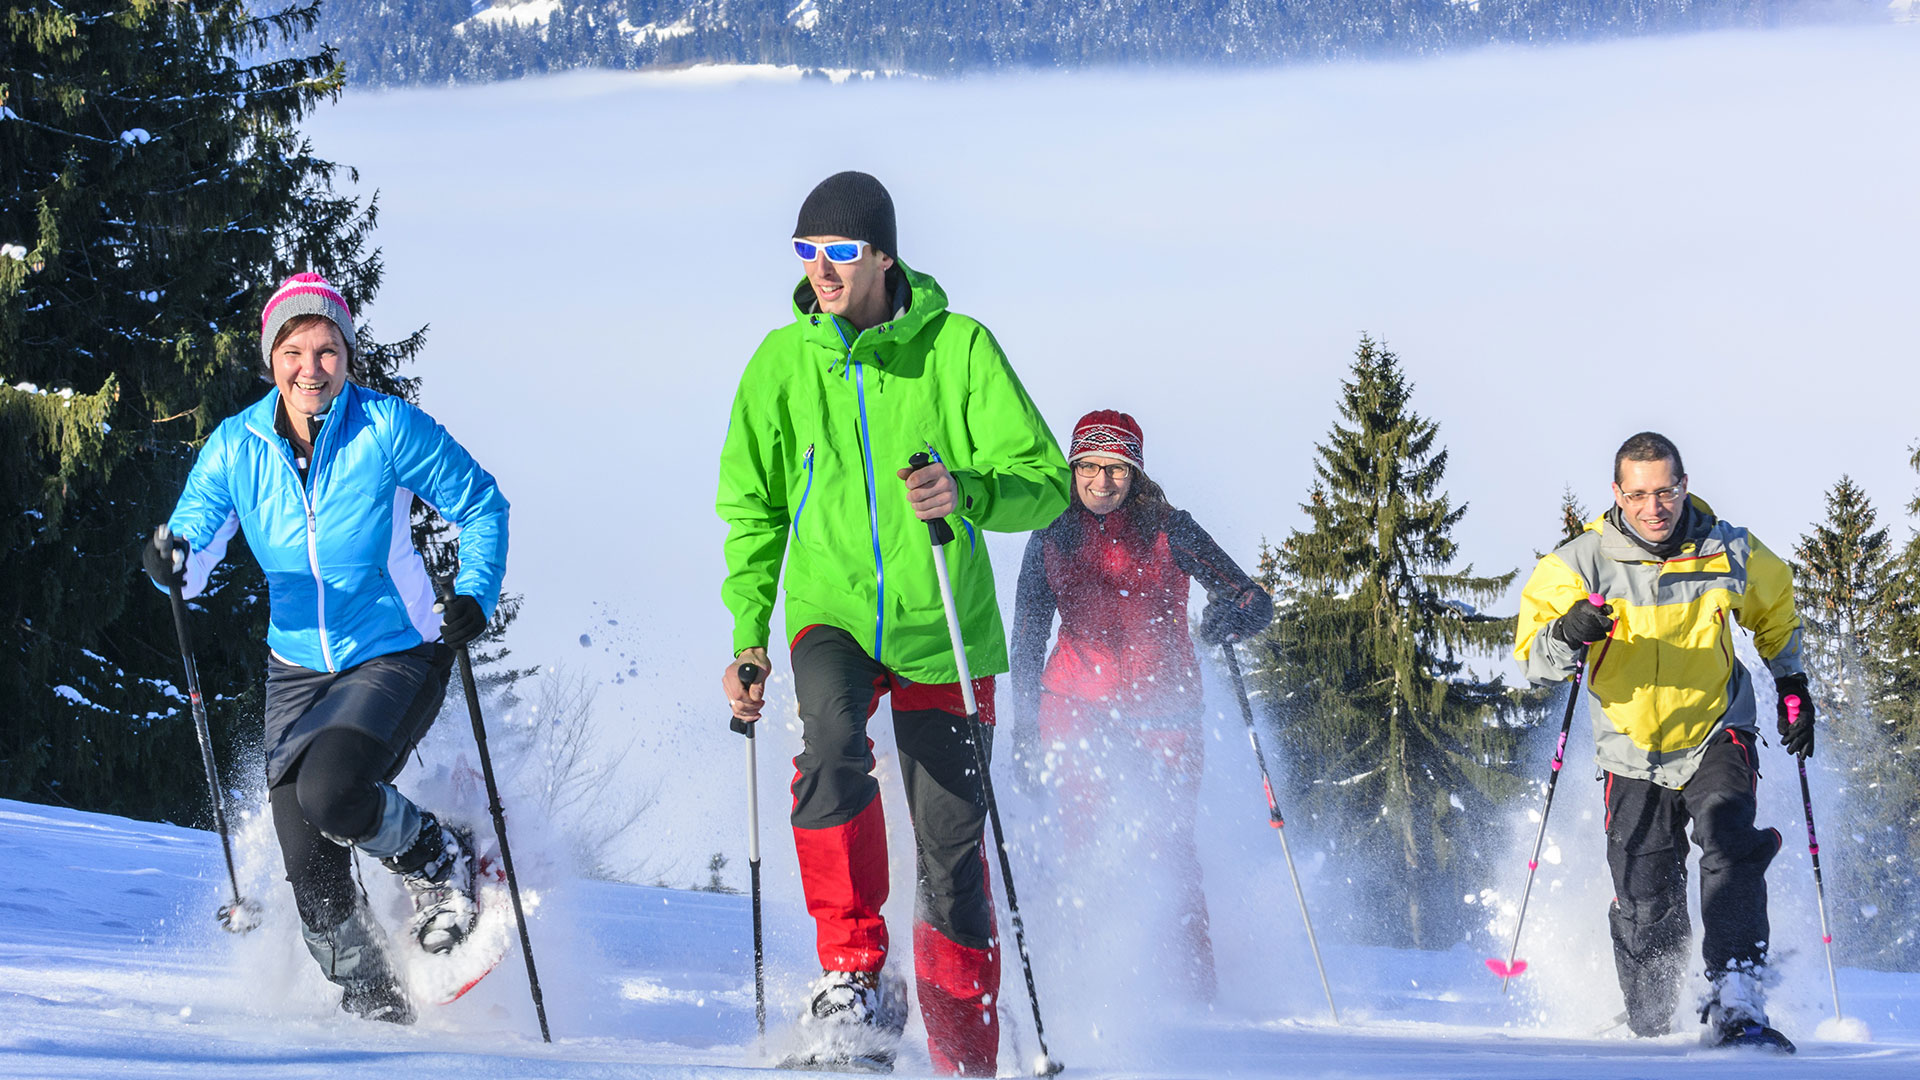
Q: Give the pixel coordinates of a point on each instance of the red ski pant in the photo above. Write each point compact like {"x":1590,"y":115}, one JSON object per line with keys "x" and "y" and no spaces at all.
{"x":1130,"y":789}
{"x":840,"y":832}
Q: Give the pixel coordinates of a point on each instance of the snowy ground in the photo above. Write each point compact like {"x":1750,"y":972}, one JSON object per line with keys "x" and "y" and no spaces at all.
{"x":111,"y":965}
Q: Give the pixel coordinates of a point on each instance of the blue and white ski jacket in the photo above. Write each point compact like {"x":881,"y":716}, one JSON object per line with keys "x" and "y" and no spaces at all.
{"x":343,"y":577}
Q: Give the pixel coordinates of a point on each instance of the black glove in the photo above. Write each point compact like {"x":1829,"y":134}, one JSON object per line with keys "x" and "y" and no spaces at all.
{"x":1797,"y":737}
{"x":1584,"y":625}
{"x":1216,"y":625}
{"x":461,"y":620}
{"x":165,"y":559}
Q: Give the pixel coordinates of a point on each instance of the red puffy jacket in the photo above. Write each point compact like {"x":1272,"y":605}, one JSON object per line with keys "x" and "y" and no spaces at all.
{"x":1119,"y":583}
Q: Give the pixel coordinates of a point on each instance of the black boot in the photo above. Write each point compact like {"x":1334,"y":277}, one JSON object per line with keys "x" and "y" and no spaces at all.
{"x":351,"y":957}
{"x":438,"y":873}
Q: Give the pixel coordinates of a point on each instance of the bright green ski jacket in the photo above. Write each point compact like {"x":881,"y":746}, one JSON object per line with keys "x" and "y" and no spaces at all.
{"x":824,"y":417}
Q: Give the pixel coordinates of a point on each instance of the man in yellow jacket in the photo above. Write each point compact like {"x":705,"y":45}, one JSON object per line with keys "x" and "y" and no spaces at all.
{"x":1675,"y":727}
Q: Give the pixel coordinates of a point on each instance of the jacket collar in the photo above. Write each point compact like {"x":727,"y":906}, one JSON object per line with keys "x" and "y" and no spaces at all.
{"x":1619,"y":544}
{"x":263,"y":417}
{"x":917,"y":301}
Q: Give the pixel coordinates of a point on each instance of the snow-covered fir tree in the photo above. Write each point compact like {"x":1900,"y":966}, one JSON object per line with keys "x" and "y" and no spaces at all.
{"x":1848,"y":585}
{"x":156,"y":190}
{"x":1393,"y":748}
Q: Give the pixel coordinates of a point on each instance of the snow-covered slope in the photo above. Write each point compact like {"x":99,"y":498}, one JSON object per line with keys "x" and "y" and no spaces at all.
{"x":111,"y":965}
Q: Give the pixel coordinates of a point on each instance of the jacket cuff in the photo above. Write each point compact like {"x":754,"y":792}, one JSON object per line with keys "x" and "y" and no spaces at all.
{"x":746,"y":637}
{"x":971,"y":494}
{"x":1552,"y":659}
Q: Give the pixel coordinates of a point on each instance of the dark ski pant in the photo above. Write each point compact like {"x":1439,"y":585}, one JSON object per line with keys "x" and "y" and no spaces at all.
{"x":1647,"y":852}
{"x":331,"y":787}
{"x":840,"y":833}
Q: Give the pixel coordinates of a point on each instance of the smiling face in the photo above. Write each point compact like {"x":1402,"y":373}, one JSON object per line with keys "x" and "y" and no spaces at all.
{"x":855,"y":291}
{"x":310,"y":364}
{"x":1102,"y":482}
{"x":1651,"y":494}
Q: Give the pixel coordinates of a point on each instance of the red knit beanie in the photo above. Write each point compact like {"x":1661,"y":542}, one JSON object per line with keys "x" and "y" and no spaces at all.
{"x":1109,"y":434}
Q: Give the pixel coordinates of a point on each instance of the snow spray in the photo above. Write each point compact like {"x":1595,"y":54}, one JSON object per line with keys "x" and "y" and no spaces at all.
{"x":1512,"y":965}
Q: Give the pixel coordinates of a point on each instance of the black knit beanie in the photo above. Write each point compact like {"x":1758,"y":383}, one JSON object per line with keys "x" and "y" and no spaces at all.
{"x":853,"y":205}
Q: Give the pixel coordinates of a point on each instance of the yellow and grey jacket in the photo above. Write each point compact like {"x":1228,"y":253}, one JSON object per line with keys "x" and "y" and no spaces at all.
{"x":1666,"y":680}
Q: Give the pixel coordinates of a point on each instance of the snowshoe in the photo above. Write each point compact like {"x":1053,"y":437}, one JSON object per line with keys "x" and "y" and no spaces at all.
{"x":438,"y":871}
{"x":1736,"y":1014}
{"x":1749,"y":1034}
{"x":351,"y":957}
{"x":852,"y":1023}
{"x":445,"y":977}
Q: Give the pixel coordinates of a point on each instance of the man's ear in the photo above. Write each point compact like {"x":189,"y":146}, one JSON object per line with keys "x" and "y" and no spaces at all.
{"x":886,"y":260}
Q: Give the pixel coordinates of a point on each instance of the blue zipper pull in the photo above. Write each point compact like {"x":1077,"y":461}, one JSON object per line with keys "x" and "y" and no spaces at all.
{"x":806,"y":459}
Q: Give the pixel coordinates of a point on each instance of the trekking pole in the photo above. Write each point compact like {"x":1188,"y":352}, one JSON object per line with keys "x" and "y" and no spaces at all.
{"x":1512,"y":967}
{"x":240,"y":915}
{"x":1813,"y":849}
{"x":750,"y":674}
{"x":941,"y":534}
{"x":1279,"y":823}
{"x":445,"y":589}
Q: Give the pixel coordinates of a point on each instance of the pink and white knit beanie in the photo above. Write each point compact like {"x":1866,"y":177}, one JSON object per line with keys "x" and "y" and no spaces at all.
{"x":1108,"y":433}
{"x":303,"y":294}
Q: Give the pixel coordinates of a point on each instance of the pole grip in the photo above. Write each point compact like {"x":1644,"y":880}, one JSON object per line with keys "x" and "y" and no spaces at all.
{"x":938,"y":529}
{"x":749,"y":674}
{"x":1793,"y":708}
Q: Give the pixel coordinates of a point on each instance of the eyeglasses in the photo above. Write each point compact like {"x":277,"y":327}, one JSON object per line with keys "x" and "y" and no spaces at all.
{"x":1664,"y":496}
{"x":1089,"y":469}
{"x":838,"y":251}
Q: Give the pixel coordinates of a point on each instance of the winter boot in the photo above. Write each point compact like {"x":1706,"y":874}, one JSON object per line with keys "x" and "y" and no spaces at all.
{"x":438,"y":873}
{"x":351,"y":957}
{"x":853,"y":1021}
{"x":1735,"y":1013}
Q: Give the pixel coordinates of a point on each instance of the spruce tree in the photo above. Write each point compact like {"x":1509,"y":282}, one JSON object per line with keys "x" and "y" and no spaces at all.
{"x":1573,"y":516}
{"x":156,"y":190}
{"x":1846,"y":584}
{"x":1389,"y":739}
{"x":1876,"y":857}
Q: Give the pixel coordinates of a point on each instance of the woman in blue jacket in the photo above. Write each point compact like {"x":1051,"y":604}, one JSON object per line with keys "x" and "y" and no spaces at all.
{"x":321,"y":474}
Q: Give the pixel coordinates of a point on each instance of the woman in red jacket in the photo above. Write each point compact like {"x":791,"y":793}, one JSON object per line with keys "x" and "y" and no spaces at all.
{"x":1113,"y":722}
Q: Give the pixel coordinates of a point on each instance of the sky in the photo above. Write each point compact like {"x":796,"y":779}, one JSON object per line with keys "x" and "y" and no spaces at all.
{"x":1707,"y":236}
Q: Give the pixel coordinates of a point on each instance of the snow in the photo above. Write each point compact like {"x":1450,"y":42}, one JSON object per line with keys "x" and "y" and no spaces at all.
{"x":524,"y":13}
{"x":805,"y":15}
{"x":110,"y":962}
{"x":658,"y":32}
{"x":136,"y":136}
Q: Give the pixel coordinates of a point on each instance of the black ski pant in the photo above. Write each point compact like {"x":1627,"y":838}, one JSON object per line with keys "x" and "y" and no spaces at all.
{"x":332,"y":789}
{"x":839,"y":831}
{"x":1647,"y":853}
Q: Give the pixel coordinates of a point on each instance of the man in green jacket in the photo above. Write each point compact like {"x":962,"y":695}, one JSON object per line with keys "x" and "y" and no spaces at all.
{"x":872,"y":370}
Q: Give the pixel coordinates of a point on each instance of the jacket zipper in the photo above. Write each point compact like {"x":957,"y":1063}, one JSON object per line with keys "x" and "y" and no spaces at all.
{"x":1720,"y":616}
{"x":807,"y":459}
{"x":313,"y":535}
{"x":873,"y":510}
{"x":873,"y":504}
